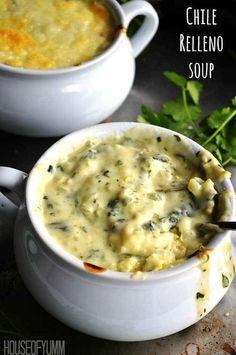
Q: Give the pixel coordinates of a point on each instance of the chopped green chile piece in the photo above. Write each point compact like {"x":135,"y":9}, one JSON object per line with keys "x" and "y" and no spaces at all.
{"x":225,"y":281}
{"x":58,"y":225}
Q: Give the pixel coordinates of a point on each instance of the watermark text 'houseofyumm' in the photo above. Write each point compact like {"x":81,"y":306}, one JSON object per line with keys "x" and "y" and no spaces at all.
{"x":34,"y":347}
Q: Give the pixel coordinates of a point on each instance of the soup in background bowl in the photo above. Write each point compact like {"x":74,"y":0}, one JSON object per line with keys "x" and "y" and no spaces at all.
{"x":85,"y":61}
{"x":54,"y":33}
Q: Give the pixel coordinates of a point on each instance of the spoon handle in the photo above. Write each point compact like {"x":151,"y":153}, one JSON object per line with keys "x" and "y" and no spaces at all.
{"x":227,"y":225}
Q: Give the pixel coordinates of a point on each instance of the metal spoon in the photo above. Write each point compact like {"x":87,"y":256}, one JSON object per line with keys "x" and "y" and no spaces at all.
{"x":216,"y":227}
{"x":227,"y":225}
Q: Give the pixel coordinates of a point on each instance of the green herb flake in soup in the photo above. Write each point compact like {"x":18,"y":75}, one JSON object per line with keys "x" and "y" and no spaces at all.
{"x":132,"y":203}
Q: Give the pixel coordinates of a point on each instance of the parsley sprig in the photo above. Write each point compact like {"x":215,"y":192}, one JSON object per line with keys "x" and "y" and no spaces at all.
{"x":216,"y":132}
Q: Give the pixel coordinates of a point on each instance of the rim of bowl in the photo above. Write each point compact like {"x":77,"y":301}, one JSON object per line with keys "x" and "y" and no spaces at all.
{"x":99,"y":131}
{"x":119,"y":17}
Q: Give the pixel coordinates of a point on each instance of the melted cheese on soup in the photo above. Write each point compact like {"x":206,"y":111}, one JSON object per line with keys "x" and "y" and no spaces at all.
{"x":131,"y":203}
{"x":44,"y":34}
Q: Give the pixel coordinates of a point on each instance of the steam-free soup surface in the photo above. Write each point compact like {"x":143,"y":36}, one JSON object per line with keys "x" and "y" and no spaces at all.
{"x":132,"y":202}
{"x":48,"y":34}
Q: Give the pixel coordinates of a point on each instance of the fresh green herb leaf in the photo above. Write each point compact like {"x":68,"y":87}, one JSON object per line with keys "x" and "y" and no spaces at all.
{"x":221,"y":142}
{"x":234,"y":101}
{"x":141,"y":119}
{"x":177,"y":79}
{"x":230,"y":138}
{"x":174,"y":109}
{"x":228,"y":118}
{"x":216,"y":118}
{"x":148,"y":116}
{"x":182,"y":127}
{"x":216,"y":132}
{"x":178,"y":112}
{"x":194,"y":88}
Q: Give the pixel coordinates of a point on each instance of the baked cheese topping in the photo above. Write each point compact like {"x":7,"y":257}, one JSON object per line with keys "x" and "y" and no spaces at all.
{"x":133,"y":202}
{"x":49,"y":34}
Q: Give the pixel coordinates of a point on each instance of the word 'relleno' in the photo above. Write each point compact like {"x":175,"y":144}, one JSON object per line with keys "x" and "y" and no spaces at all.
{"x":201,"y":43}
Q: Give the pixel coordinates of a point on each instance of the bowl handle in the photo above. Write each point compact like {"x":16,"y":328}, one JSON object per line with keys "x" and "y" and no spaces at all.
{"x":12,"y":195}
{"x":149,"y":27}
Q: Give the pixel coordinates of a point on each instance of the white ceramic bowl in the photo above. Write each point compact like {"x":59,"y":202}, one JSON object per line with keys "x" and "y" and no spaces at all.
{"x":111,"y":304}
{"x":56,"y":102}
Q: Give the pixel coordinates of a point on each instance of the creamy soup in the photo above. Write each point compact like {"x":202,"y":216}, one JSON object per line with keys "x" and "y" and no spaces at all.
{"x":131,"y":203}
{"x":44,"y":34}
